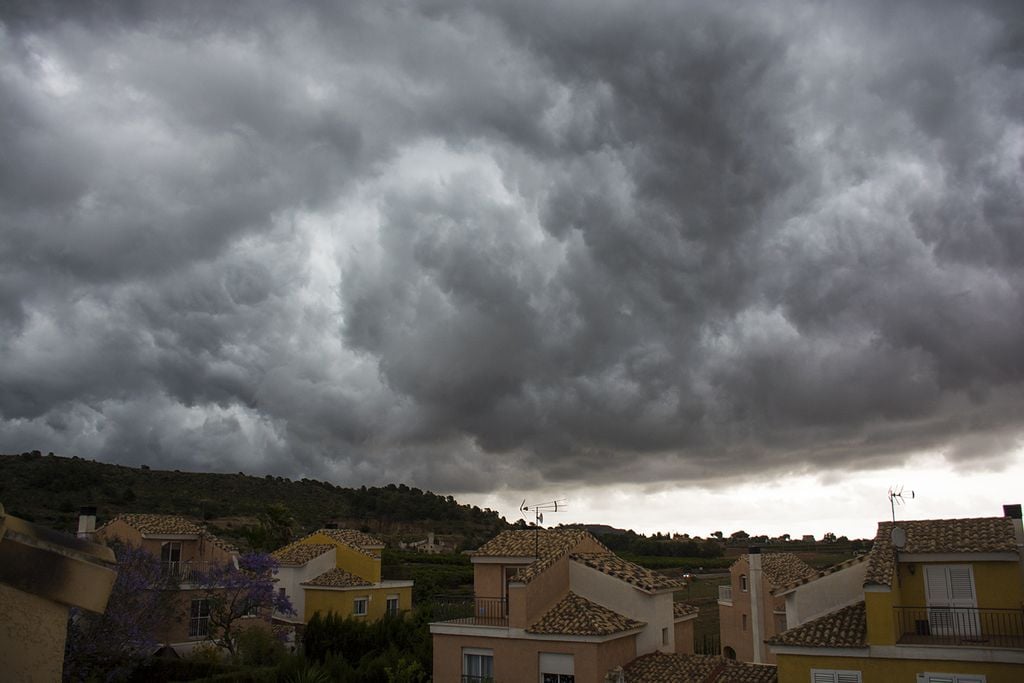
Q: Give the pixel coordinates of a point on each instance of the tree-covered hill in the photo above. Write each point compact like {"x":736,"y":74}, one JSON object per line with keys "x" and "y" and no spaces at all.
{"x":48,"y":490}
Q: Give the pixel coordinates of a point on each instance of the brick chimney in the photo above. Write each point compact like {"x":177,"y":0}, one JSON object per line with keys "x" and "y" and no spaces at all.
{"x":1014,"y":513}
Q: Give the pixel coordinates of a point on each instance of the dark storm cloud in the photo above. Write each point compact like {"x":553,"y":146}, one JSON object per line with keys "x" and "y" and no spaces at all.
{"x":478,"y":246}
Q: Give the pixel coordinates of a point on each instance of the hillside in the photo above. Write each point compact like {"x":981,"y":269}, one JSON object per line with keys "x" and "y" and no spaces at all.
{"x":48,"y":490}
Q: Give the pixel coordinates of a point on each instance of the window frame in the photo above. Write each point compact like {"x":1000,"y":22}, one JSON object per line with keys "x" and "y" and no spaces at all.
{"x":198,"y":622}
{"x":850,"y":676}
{"x":388,"y":601}
{"x":927,"y":677}
{"x":485,"y":658}
{"x":744,"y":584}
{"x":365,"y":602}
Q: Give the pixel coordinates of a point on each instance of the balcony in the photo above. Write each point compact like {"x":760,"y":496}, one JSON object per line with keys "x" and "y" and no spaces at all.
{"x":183,"y":572}
{"x":725,"y":594}
{"x":471,"y":611}
{"x":959,"y":626}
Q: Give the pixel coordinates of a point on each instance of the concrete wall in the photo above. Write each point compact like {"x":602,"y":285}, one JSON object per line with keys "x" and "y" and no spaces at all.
{"x":517,"y":660}
{"x":618,"y":596}
{"x":32,"y":634}
{"x":350,"y":559}
{"x":731,"y":627}
{"x":825,"y":594}
{"x":684,"y":636}
{"x":290,"y":578}
{"x":341,"y":602}
{"x":797,"y":669}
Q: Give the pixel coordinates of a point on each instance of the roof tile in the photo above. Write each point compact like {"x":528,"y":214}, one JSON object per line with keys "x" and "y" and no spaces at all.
{"x":576,"y":616}
{"x":972,"y":535}
{"x":658,"y":667}
{"x":783,"y":568}
{"x":298,"y":553}
{"x":337,"y":578}
{"x":624,"y":570}
{"x":846,"y":627}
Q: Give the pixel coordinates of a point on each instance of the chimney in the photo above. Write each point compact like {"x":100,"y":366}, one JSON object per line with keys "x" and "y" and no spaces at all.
{"x":86,"y":522}
{"x":1014,"y":513}
{"x":756,"y":600}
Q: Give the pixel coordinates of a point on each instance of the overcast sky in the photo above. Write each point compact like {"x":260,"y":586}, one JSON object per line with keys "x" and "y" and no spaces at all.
{"x":660,"y":250}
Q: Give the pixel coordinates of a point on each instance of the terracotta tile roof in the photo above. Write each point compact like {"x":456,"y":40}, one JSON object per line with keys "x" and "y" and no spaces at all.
{"x":545,"y":546}
{"x":169,"y":525}
{"x":537,"y":544}
{"x":337,"y":578}
{"x":973,"y":535}
{"x":356,"y":540}
{"x":783,"y":568}
{"x":658,"y":667}
{"x":778,"y":590}
{"x":576,"y":616}
{"x":297,"y":553}
{"x":633,"y":574}
{"x":682,"y":609}
{"x":846,"y":627}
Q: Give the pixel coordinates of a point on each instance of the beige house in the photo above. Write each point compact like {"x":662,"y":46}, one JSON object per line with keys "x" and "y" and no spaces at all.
{"x":556,"y":606}
{"x":748,"y":612}
{"x":185,"y":550}
{"x":43,"y":573}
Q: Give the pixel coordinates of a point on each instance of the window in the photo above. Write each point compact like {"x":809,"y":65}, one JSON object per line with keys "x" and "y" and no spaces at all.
{"x":664,"y":636}
{"x":834,"y":676}
{"x":744,"y":622}
{"x":252,"y":610}
{"x":170,"y":558}
{"x":282,"y":593}
{"x":391,"y":607}
{"x":950,"y":678}
{"x":477,"y":665}
{"x":199,"y":621}
{"x":743,"y":582}
{"x":359,"y":606}
{"x":556,"y":667}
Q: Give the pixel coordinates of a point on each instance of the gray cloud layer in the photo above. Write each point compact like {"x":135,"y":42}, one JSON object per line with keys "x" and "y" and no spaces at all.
{"x":471,"y":246}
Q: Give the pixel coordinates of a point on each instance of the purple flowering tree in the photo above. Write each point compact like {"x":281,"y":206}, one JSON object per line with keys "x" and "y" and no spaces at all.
{"x":105,"y":646}
{"x":236,"y":592}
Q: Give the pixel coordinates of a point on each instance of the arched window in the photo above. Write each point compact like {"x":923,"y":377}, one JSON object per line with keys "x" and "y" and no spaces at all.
{"x":729,"y":653}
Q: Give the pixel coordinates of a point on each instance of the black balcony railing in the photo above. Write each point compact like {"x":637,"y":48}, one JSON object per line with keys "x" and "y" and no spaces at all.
{"x":471,"y":610}
{"x":183,"y":572}
{"x":963,"y":626}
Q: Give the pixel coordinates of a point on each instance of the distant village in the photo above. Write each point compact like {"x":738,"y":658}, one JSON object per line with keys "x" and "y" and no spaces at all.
{"x":160,"y":597}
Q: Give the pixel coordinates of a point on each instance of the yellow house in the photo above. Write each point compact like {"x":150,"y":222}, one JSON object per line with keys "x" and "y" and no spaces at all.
{"x":339,"y":570}
{"x":935,"y":601}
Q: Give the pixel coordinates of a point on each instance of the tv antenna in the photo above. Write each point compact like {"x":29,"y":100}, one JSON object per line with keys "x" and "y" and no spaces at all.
{"x":898,"y":497}
{"x":538,"y":515}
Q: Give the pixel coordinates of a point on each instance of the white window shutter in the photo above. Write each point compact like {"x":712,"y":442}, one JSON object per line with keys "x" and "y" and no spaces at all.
{"x":848,"y":677}
{"x":823,"y":677}
{"x":961,"y":583}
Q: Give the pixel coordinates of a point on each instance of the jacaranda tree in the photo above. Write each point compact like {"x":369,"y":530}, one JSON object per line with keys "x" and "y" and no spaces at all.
{"x":108,"y":646}
{"x":233,"y":592}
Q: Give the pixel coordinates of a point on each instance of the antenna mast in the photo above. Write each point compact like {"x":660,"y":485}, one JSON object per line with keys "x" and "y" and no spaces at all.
{"x":538,"y":516}
{"x":896,"y":497}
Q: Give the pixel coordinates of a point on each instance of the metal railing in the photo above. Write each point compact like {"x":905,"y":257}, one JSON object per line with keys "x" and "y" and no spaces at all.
{"x":963,"y":626}
{"x":183,"y":572}
{"x":725,"y":593}
{"x":466,"y":609}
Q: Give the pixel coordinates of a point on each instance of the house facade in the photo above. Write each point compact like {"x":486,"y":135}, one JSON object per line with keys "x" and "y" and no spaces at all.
{"x":748,"y":611}
{"x":935,"y":601}
{"x":339,"y":570}
{"x":556,"y":606}
{"x":186,"y":551}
